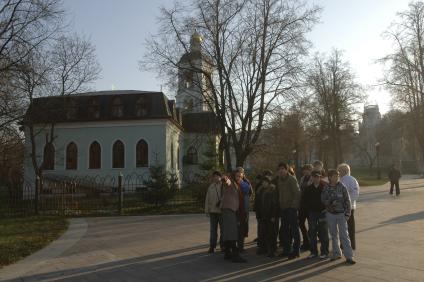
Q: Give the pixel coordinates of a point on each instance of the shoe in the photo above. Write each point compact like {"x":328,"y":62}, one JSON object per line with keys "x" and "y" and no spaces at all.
{"x":238,"y":259}
{"x":311,"y":256}
{"x":260,"y":251}
{"x":350,"y":261}
{"x":227,"y":256}
{"x":293,"y":256}
{"x":271,"y":255}
{"x":284,"y":254}
{"x":211,"y":250}
{"x":333,"y":258}
{"x":323,"y":256}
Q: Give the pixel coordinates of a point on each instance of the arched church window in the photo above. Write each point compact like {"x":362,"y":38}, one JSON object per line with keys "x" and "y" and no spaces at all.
{"x":118,"y":155}
{"x":49,"y":156}
{"x":178,"y":157}
{"x":117,"y":107}
{"x":188,"y":79}
{"x":71,"y":156}
{"x":192,"y":155}
{"x":93,"y":108}
{"x":95,"y":156}
{"x":141,"y":107}
{"x":172,"y":155}
{"x":142,"y":154}
{"x":189,"y":104}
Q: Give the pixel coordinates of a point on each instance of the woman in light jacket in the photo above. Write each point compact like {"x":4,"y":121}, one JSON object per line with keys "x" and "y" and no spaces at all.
{"x":213,"y":210}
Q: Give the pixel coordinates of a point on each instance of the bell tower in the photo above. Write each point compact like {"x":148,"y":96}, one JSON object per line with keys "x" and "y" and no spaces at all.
{"x":193,"y":84}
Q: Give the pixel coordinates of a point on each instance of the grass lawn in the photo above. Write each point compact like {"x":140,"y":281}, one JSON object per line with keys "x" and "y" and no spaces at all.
{"x":366,"y":177}
{"x":20,"y":237}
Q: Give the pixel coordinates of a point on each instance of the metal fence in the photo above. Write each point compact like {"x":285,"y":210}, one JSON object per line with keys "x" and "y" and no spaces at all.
{"x":96,"y":196}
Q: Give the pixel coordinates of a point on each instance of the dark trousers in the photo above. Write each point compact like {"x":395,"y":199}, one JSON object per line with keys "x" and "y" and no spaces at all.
{"x":318,"y":228}
{"x":290,"y":231}
{"x":261,"y":234}
{"x":270,"y":235}
{"x":242,"y":233}
{"x":231,"y":250}
{"x":394,"y":183}
{"x":302,"y":225}
{"x":215,"y":219}
{"x":351,"y":229}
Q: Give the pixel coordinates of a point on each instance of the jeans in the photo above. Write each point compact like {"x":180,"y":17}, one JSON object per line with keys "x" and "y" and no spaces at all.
{"x":394,"y":183}
{"x":318,"y":227}
{"x":337,"y":225}
{"x":215,"y":220}
{"x":290,"y":231}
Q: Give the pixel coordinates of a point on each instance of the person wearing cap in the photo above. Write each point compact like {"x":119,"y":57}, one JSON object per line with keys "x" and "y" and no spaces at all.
{"x":336,"y":200}
{"x":353,"y":188}
{"x":311,"y":199}
{"x":269,"y":210}
{"x":213,"y":210}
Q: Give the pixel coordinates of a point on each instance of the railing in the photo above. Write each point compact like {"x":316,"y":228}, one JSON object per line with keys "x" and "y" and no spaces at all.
{"x":96,"y":196}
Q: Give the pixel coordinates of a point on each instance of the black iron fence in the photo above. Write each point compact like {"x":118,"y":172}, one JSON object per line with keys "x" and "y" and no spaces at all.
{"x":97,"y":196}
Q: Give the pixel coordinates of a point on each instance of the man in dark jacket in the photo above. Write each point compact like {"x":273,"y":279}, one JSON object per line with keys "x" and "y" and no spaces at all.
{"x":394,"y":176}
{"x":304,"y":182}
{"x":289,"y":200}
{"x":269,"y":211}
{"x":311,"y":200}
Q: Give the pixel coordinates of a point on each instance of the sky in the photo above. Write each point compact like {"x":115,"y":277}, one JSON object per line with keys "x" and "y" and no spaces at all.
{"x":118,"y":29}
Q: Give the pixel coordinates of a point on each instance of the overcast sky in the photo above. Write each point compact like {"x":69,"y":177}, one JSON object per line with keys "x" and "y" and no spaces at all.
{"x":118,"y":29}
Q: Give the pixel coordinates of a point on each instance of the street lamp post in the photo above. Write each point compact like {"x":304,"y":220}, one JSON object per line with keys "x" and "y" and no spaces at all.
{"x":377,"y":151}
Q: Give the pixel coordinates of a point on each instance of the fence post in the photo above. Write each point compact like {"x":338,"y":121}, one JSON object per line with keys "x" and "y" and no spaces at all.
{"x":121,"y":193}
{"x":37,"y":189}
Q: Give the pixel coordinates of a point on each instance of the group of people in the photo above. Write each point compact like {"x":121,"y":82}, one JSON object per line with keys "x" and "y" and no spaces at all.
{"x":283,"y":205}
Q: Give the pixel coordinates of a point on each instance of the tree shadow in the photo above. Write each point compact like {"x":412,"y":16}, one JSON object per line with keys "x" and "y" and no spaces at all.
{"x":190,"y":264}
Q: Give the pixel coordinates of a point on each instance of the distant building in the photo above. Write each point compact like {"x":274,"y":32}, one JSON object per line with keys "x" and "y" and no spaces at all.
{"x":127,"y":131}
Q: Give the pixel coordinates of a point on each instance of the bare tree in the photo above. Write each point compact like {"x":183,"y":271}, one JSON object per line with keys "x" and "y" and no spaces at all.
{"x":69,"y":67}
{"x":335,"y":94}
{"x":254,"y":49}
{"x":404,"y":75}
{"x":24,"y":26}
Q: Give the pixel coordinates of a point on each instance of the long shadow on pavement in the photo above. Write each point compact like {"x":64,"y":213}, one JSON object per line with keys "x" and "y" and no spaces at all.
{"x":190,"y":264}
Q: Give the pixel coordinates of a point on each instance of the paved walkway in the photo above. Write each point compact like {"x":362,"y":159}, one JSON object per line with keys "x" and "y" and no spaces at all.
{"x":390,"y":241}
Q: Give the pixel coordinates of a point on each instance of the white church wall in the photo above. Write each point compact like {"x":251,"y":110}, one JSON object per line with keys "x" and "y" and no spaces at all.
{"x":106,"y":133}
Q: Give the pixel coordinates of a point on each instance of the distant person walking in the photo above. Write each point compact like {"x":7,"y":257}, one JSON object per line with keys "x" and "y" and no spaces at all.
{"x":336,"y":199}
{"x":213,"y":210}
{"x":352,"y":187}
{"x":394,"y":176}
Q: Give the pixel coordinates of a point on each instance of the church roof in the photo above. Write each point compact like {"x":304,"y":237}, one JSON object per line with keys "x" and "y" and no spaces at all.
{"x":103,"y":106}
{"x":201,"y":122}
